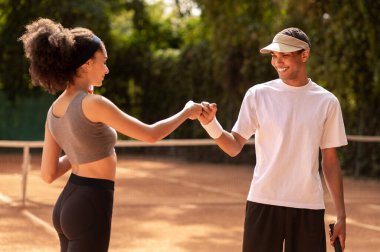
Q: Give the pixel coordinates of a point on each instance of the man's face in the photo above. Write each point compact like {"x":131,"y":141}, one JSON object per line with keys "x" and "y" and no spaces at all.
{"x":291,"y":67}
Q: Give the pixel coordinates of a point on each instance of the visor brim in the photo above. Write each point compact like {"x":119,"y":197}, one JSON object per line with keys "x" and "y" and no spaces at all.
{"x":278,"y":47}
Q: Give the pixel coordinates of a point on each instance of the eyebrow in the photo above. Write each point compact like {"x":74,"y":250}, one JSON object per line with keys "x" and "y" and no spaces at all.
{"x":283,"y":53}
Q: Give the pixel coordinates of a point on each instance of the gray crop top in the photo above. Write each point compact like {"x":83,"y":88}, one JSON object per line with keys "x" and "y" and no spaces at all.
{"x":82,"y":141}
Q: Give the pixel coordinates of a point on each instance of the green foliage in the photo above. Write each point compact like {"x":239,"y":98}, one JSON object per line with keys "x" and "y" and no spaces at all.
{"x":346,"y":61}
{"x":23,"y":118}
{"x":16,"y":14}
{"x":236,"y":31}
{"x":160,"y":58}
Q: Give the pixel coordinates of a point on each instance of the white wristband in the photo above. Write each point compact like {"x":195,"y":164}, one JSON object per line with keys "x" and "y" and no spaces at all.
{"x":213,"y":128}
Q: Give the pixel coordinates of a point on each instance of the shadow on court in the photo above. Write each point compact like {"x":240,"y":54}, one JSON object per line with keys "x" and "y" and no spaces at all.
{"x":168,"y":205}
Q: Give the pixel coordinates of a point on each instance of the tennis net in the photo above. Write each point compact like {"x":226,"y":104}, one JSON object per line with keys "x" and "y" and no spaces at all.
{"x":20,"y":156}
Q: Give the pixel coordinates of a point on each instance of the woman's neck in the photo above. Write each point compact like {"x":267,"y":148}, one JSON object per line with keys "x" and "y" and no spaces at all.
{"x":77,"y":87}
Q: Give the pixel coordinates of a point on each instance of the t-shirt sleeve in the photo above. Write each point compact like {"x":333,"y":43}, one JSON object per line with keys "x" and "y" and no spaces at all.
{"x":247,"y":123}
{"x":334,"y":134}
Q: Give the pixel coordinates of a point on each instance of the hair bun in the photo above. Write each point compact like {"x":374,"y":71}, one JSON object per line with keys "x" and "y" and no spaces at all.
{"x":48,"y":46}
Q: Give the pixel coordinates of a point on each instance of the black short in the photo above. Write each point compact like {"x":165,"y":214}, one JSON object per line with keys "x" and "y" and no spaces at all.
{"x":270,"y":228}
{"x":82,"y":215}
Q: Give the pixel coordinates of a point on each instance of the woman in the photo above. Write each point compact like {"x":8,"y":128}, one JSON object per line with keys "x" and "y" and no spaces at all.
{"x":83,"y":127}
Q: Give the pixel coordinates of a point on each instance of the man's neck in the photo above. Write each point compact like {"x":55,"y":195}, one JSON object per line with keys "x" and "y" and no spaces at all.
{"x":296,"y":82}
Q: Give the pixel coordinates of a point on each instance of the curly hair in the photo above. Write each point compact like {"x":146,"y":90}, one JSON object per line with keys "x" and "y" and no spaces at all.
{"x":50,"y":48}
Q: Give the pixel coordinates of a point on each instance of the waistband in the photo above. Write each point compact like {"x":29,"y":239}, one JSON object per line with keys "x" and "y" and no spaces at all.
{"x":94,"y":182}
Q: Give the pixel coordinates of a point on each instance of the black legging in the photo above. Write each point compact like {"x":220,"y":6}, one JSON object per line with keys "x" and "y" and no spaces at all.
{"x":82,"y":215}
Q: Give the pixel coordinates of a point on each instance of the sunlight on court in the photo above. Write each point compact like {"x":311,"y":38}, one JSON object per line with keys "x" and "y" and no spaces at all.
{"x":168,"y":205}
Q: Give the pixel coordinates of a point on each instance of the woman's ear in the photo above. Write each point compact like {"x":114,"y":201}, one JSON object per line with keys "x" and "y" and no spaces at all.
{"x":86,"y":66}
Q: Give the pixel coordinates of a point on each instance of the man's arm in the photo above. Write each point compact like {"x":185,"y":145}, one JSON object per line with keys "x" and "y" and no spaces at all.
{"x":333,"y":177}
{"x":231,"y":143}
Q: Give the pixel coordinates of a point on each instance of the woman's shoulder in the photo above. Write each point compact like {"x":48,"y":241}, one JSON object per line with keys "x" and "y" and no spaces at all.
{"x":95,"y":100}
{"x":95,"y":106}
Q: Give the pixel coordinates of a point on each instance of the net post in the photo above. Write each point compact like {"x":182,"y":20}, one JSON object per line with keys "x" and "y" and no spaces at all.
{"x":25,"y":171}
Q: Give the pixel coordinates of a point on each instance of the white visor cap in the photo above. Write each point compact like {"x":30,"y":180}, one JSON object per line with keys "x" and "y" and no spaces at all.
{"x":285,"y":44}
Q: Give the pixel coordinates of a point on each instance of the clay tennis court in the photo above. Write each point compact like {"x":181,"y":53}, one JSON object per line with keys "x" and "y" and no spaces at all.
{"x":166,"y":205}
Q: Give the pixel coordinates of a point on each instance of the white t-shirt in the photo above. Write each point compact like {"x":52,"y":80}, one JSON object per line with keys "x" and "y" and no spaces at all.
{"x":290,"y":125}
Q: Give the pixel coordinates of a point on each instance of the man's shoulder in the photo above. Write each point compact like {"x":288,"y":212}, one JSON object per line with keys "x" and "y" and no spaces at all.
{"x":318,"y":89}
{"x":263,"y":86}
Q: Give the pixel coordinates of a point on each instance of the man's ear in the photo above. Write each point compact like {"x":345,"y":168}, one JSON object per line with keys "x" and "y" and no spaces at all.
{"x":305,"y":55}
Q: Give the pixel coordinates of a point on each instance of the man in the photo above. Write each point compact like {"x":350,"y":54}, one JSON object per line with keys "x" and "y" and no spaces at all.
{"x":292,"y":118}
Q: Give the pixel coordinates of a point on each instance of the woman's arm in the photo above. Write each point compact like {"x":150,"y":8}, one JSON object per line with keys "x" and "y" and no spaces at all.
{"x":52,"y":166}
{"x":99,"y":109}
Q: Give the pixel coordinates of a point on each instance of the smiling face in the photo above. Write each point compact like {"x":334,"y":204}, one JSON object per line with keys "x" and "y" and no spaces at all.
{"x":291,"y":67}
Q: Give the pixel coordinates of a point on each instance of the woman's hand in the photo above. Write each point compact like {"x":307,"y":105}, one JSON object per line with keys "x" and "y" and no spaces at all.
{"x":193,"y":110}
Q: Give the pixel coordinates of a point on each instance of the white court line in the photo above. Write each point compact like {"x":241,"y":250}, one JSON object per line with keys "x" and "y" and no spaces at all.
{"x":185,"y":183}
{"x":329,"y":218}
{"x":373,"y":206}
{"x":198,"y":186}
{"x":37,"y":221}
{"x":5,"y":199}
{"x":355,"y":223}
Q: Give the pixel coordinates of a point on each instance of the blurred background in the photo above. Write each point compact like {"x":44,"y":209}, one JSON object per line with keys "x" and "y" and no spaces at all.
{"x":164,"y":53}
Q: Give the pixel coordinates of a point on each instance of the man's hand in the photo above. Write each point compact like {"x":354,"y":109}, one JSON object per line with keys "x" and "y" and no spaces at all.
{"x":208,"y":112}
{"x":339,"y":234}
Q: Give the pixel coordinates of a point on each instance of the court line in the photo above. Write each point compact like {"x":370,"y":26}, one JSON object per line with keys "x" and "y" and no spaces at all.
{"x":49,"y":229}
{"x":39,"y":222}
{"x":33,"y":218}
{"x":181,"y":182}
{"x":4,"y":198}
{"x":236,"y":195}
{"x":198,"y":186}
{"x":373,"y":206}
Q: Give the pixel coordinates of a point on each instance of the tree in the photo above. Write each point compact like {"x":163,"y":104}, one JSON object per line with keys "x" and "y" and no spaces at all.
{"x":237,"y":30}
{"x":16,"y":14}
{"x":347,"y":62}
